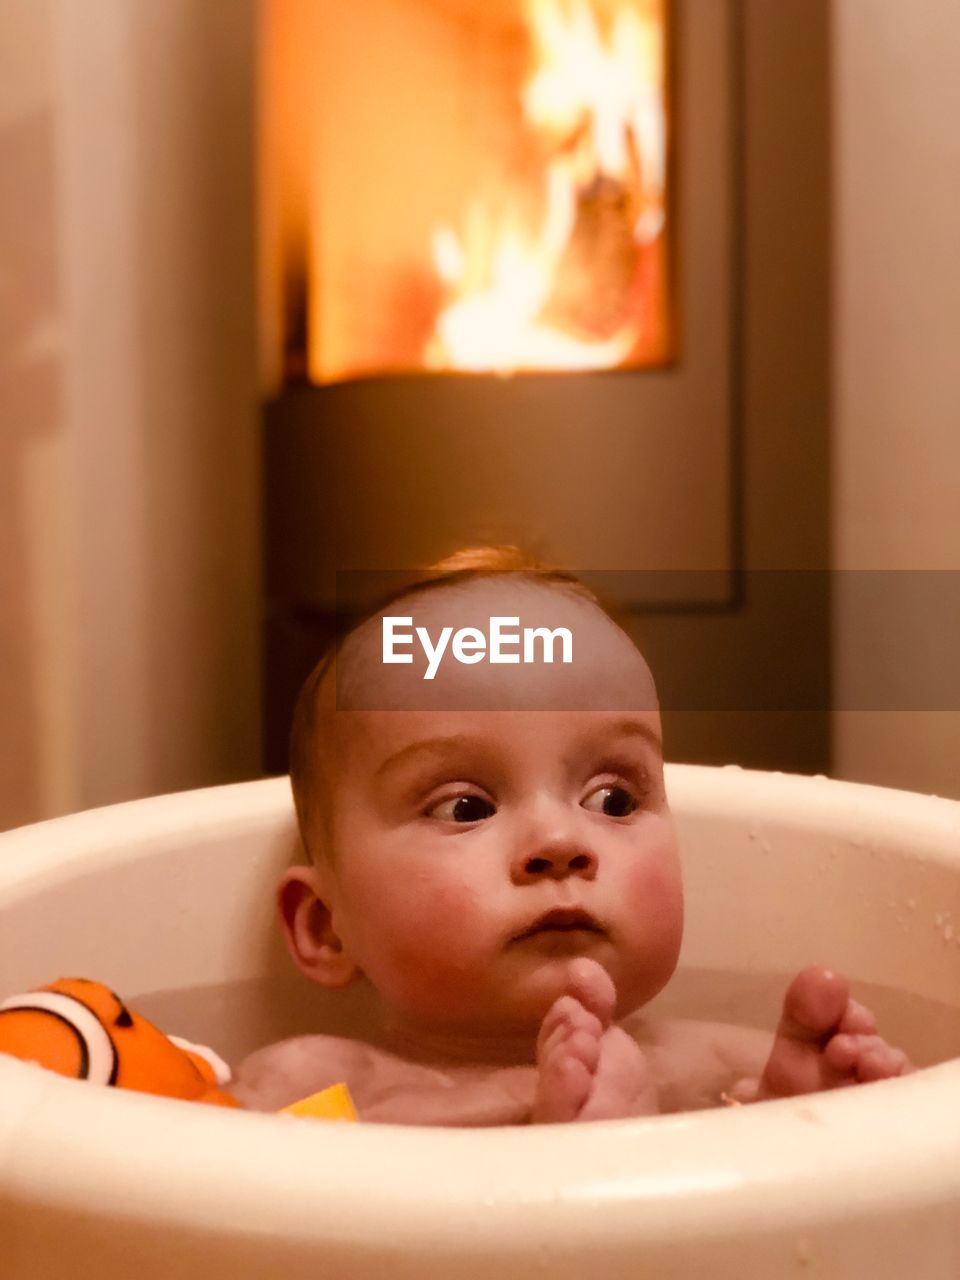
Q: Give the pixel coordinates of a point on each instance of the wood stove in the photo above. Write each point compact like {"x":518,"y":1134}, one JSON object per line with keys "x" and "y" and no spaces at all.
{"x":501,"y":282}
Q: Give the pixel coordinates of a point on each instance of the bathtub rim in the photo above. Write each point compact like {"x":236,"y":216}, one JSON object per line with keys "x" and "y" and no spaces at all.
{"x":714,"y":1168}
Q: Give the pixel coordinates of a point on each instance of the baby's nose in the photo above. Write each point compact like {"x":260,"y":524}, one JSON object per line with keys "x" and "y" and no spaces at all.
{"x":555,"y":859}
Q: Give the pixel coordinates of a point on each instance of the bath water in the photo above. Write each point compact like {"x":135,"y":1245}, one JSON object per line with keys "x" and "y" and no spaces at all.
{"x":238,"y":1017}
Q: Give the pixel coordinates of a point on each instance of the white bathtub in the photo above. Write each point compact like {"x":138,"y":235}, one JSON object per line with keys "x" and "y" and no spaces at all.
{"x":168,"y":901}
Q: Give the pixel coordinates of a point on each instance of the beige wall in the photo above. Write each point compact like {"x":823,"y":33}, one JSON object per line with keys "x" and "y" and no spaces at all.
{"x":896,"y":361}
{"x":33,"y":578}
{"x":128,"y":513}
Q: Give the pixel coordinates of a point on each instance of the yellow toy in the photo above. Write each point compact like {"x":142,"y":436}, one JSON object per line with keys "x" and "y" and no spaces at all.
{"x":333,"y":1103}
{"x":83,"y":1030}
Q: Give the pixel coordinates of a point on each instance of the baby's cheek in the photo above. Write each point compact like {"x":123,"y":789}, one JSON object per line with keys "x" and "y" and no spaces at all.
{"x":448,"y":902}
{"x":658,"y":874}
{"x":439,"y":938}
{"x":656,"y":894}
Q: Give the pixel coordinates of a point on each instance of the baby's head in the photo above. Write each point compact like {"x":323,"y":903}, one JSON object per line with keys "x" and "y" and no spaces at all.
{"x":472,"y":832}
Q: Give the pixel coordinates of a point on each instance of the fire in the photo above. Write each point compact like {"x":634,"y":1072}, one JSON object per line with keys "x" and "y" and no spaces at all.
{"x":576,"y":283}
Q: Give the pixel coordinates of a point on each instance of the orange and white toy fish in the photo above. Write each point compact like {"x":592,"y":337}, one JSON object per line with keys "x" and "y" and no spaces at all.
{"x":82,"y":1029}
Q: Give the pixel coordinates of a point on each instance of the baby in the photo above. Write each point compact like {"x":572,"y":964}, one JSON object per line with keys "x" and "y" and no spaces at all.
{"x":491,"y":848}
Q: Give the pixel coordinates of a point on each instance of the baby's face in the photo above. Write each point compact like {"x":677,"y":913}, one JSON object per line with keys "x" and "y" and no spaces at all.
{"x":476,"y":850}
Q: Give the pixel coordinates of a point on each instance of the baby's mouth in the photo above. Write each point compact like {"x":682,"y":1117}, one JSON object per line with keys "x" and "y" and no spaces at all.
{"x":561,"y":920}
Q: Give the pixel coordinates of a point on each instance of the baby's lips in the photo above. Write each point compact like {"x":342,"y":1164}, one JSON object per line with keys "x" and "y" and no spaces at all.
{"x":561,"y":920}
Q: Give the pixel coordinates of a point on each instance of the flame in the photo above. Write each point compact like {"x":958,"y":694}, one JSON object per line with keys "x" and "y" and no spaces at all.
{"x":562,"y":293}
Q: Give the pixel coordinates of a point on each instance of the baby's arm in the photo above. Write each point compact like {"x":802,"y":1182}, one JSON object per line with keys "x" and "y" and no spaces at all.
{"x":384,"y":1088}
{"x":504,"y":1097}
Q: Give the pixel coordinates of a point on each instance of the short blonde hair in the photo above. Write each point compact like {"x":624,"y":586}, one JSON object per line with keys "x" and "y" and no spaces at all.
{"x":461,"y":566}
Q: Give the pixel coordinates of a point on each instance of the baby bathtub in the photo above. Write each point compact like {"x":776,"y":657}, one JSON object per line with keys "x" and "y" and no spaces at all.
{"x":168,"y":900}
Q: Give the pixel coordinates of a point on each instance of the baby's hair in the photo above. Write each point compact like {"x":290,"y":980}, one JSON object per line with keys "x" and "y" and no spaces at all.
{"x":461,"y":566}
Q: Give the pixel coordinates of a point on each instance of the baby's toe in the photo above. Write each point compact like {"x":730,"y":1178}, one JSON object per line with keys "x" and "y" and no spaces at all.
{"x":865,"y":1058}
{"x":590,"y":984}
{"x":554,"y":1044}
{"x":858,"y":1020}
{"x":565,"y":1018}
{"x":842,"y":1052}
{"x":572,"y":1081}
{"x":567,"y":1011}
{"x":554,"y":1020}
{"x":585,"y":1048}
{"x":563,"y":1087}
{"x":881,"y":1062}
{"x":815,"y":1003}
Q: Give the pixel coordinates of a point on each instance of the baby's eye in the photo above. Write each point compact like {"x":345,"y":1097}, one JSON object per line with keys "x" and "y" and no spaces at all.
{"x":462,"y":809}
{"x":614,"y":801}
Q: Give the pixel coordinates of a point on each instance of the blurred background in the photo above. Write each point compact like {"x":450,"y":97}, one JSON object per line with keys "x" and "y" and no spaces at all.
{"x":666,"y":289}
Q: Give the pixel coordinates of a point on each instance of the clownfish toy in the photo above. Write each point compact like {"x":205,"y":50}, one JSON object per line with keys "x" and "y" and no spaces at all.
{"x":83,"y":1030}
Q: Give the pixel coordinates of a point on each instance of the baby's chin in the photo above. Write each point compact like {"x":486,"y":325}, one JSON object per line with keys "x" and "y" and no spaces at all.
{"x":516,"y":1011}
{"x":511,"y":1014}
{"x":512,"y":1007}
{"x":553,"y":981}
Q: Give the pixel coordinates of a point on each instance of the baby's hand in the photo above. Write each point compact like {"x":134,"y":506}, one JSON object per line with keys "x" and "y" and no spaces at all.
{"x":824,"y":1040}
{"x":589,"y":1069}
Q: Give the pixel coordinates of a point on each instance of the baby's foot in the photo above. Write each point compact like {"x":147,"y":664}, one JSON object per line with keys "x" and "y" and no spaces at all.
{"x":589,"y":1069}
{"x":824,"y":1040}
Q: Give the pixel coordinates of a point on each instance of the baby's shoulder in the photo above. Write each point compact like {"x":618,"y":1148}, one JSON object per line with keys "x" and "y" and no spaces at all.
{"x":284,"y":1072}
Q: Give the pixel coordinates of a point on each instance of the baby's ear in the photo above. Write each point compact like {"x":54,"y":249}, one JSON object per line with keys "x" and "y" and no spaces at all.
{"x":308,"y":929}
